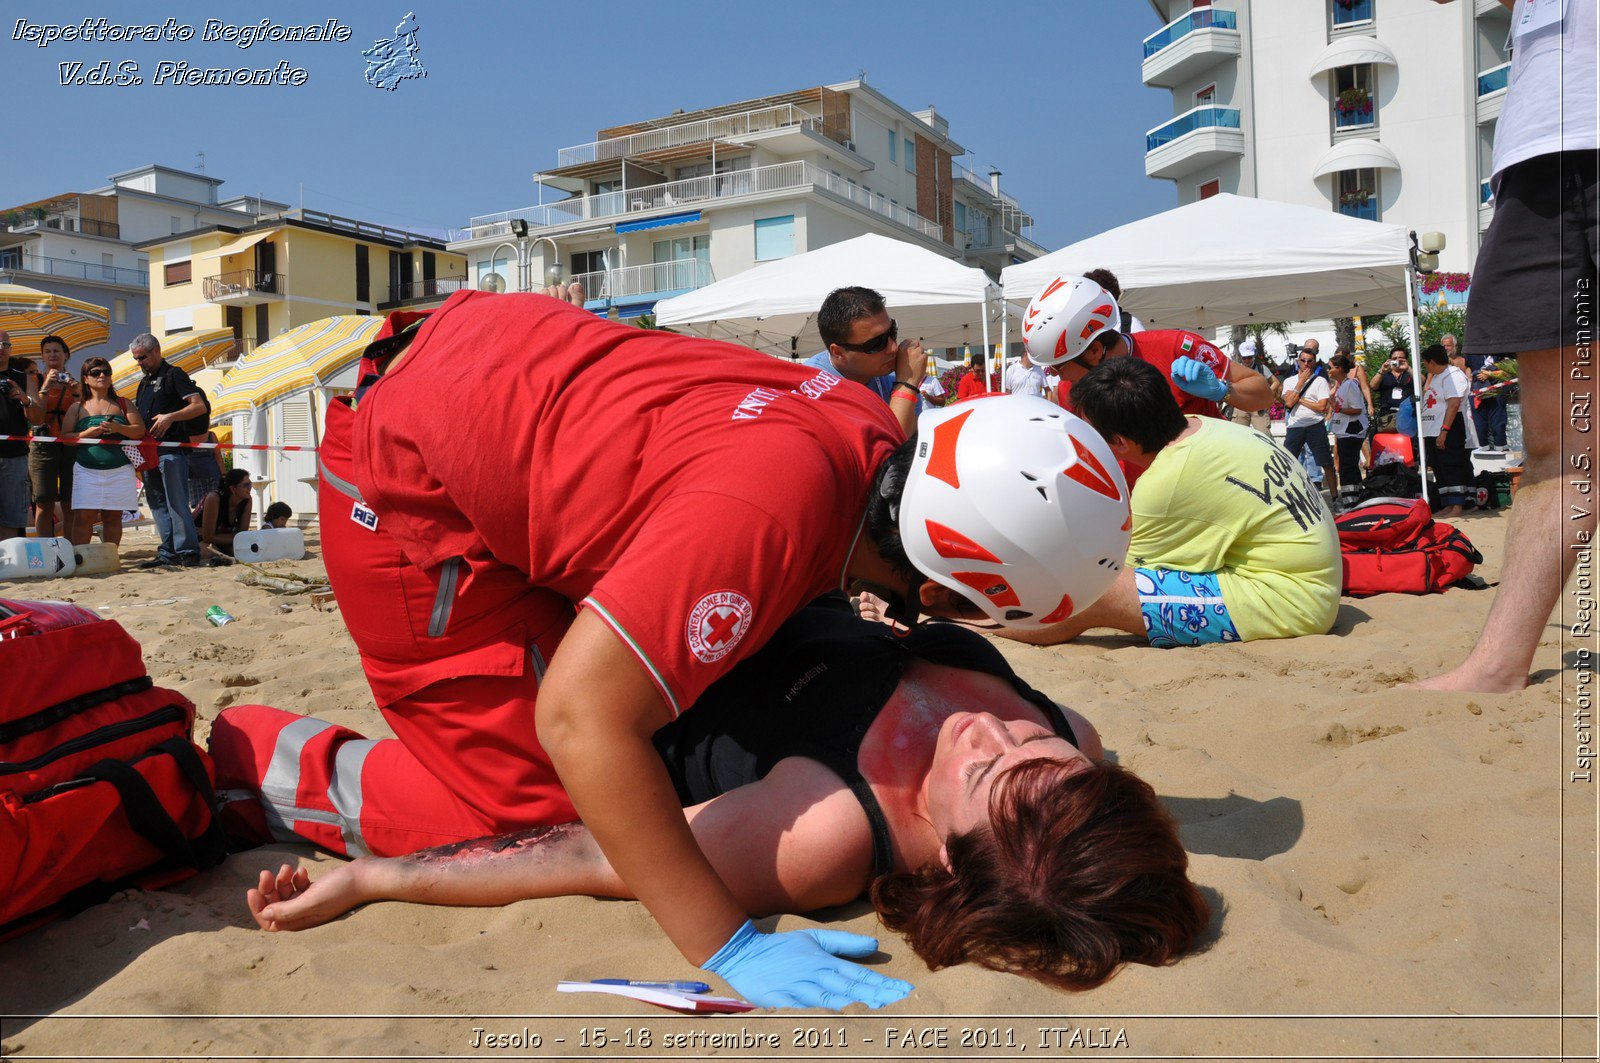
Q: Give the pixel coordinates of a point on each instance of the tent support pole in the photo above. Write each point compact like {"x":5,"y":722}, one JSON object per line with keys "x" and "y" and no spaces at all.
{"x":1005,"y":337}
{"x":1416,"y":376}
{"x":986,"y":338}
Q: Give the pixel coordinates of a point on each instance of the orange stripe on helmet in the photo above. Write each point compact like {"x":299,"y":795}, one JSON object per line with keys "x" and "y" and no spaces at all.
{"x":1060,"y":612}
{"x":1088,"y":471}
{"x":992,"y":587}
{"x":952,"y":544}
{"x":942,"y":461}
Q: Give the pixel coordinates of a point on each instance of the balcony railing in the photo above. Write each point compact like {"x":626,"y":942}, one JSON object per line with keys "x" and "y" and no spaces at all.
{"x":1354,"y":117}
{"x":243,"y":282}
{"x":724,"y":127}
{"x":651,"y":279}
{"x":1012,"y":216}
{"x":11,"y":259}
{"x":1201,"y":18}
{"x":1349,"y":12}
{"x":1190,"y":122}
{"x":784,"y":176}
{"x":68,"y":223}
{"x":979,"y":235}
{"x":1366,"y":209}
{"x":427,"y":288}
{"x":1494,"y":79}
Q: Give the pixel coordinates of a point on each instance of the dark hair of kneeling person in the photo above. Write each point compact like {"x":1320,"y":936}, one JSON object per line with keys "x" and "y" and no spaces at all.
{"x":1129,"y":397}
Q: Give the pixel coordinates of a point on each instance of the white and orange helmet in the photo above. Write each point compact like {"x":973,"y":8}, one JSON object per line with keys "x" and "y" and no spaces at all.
{"x":1065,"y":317}
{"x":1018,"y":506}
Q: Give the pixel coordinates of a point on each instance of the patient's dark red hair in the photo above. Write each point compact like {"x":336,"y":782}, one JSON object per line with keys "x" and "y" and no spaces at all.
{"x":1081,"y":873}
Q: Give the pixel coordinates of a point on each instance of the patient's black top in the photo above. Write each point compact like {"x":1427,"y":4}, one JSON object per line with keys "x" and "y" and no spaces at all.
{"x":813,"y":691}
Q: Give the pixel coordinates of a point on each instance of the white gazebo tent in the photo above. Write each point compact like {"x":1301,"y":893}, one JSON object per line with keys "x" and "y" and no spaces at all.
{"x":773,"y":307}
{"x":1232,"y":260}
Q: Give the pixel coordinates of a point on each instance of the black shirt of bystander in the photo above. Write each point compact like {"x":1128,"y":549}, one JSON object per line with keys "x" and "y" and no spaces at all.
{"x":1391,"y":389}
{"x":167,"y":390}
{"x":13,"y":421}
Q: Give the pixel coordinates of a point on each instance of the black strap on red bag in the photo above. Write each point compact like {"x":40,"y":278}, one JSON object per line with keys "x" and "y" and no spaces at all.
{"x":151,"y":821}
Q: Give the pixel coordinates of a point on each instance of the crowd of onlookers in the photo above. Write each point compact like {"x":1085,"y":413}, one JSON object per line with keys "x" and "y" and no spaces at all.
{"x":74,"y":489}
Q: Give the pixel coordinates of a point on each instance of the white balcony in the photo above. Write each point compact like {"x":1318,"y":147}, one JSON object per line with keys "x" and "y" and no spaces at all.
{"x":1198,"y":138}
{"x":1492,"y":84}
{"x":699,"y":192}
{"x":1012,"y":217}
{"x":725,"y":127}
{"x":1184,"y":47}
{"x":649,"y":283}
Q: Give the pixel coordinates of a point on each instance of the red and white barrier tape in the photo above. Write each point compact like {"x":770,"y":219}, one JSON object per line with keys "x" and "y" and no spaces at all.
{"x":150,"y":443}
{"x":1492,"y":389}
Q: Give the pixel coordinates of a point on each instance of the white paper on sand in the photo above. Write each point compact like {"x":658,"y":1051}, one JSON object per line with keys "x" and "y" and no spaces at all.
{"x":665,"y":998}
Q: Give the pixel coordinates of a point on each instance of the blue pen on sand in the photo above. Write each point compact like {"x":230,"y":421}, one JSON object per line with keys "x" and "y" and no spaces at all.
{"x":676,"y":987}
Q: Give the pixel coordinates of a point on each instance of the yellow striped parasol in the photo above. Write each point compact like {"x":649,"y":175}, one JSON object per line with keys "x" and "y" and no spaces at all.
{"x":299,"y":360}
{"x":191,"y":353}
{"x":30,"y":315}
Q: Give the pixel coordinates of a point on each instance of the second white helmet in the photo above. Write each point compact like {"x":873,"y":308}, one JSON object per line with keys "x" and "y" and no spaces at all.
{"x":1065,"y":317}
{"x":1016,"y":505}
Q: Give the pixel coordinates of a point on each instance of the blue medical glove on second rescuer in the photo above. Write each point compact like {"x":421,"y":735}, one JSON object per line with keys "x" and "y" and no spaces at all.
{"x":1198,"y":379}
{"x":803,"y":969}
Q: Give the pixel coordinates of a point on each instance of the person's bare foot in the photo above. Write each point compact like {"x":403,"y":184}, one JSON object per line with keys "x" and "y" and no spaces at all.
{"x":1468,"y":678}
{"x":1448,"y":513}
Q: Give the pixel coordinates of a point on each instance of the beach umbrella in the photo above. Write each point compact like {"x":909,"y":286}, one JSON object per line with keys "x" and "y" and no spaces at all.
{"x":301,"y":359}
{"x":30,"y":315}
{"x":191,"y":352}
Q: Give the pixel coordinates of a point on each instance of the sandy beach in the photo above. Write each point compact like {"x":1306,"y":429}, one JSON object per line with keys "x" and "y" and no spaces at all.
{"x":1369,"y":851}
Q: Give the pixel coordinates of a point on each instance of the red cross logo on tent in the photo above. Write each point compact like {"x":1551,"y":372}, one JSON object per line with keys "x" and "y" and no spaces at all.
{"x":716,"y":624}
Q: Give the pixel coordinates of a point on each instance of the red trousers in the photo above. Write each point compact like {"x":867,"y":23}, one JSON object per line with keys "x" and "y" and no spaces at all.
{"x":454,"y":656}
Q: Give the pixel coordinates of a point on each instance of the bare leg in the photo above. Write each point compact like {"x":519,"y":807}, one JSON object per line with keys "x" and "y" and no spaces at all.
{"x":82,"y":526}
{"x":1117,"y":608}
{"x":110,"y":527}
{"x":44,"y":519}
{"x":1539,"y":537}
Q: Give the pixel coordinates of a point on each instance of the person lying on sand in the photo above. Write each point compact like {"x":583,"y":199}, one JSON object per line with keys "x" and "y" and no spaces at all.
{"x":842,"y":759}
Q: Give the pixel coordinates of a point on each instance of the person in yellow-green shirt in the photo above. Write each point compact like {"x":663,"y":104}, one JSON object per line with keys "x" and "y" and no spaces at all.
{"x":1231,"y":540}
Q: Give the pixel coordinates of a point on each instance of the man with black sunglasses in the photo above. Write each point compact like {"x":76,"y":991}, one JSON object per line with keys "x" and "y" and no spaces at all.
{"x":864,"y":346}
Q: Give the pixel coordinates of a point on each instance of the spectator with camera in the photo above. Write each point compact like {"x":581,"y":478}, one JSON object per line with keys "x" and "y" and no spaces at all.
{"x":50,"y":464}
{"x":1393,"y":386}
{"x":864,"y":345}
{"x":19,"y":412}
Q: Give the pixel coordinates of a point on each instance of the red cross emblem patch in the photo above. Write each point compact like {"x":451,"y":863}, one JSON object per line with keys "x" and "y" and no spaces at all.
{"x":716,"y":624}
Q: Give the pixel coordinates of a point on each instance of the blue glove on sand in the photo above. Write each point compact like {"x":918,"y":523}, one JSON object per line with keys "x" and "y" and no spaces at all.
{"x":802,"y":969}
{"x":1197,"y":379}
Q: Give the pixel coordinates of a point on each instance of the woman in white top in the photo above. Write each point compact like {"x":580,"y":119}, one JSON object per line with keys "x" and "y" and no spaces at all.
{"x":1445,"y":421}
{"x":1348,"y":419}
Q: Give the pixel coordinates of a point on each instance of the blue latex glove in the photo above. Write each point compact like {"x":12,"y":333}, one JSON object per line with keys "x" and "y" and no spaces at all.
{"x":802,"y":969}
{"x":1198,"y":379}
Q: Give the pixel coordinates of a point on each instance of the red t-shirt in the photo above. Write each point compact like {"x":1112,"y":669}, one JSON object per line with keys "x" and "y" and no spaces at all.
{"x":971,"y":386}
{"x":694,"y":493}
{"x":1162,"y":347}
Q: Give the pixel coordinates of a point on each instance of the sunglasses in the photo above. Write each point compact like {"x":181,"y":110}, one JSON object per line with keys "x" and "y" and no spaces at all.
{"x":97,"y":372}
{"x":876,"y":343}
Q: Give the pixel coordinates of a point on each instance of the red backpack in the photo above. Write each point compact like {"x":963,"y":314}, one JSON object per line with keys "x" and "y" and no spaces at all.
{"x":100,"y":784}
{"x":1393,"y":545}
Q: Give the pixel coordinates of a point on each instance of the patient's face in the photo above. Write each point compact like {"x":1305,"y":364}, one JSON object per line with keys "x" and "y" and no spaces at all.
{"x":973,"y":750}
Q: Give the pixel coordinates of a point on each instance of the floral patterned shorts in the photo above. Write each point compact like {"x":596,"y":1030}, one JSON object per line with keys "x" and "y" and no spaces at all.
{"x":1182,"y":608}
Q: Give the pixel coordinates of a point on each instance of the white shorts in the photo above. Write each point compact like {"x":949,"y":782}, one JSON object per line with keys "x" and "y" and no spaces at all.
{"x":109,"y":489}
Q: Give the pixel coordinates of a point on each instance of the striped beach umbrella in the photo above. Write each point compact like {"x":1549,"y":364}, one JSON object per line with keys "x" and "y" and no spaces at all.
{"x":30,"y":315}
{"x":190,"y":352}
{"x":303,"y":358}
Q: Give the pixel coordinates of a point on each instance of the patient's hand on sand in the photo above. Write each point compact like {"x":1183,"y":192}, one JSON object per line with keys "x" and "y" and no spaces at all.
{"x":289,"y":900}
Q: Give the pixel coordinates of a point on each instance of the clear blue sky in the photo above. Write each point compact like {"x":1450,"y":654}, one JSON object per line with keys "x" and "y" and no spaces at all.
{"x":1048,"y":92}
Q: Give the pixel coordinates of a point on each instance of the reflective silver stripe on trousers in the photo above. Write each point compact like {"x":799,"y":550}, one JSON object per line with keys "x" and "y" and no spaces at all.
{"x":344,"y":487}
{"x":445,"y":598}
{"x":537,"y":659}
{"x":280,"y":787}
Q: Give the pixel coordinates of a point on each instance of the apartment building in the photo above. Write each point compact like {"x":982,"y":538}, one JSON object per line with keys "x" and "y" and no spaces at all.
{"x":1380,"y":109}
{"x":85,"y":244}
{"x":653,"y":209}
{"x":263,"y":277}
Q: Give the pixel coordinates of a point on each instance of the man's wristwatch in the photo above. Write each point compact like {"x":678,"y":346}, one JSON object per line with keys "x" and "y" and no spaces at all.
{"x":908,"y":385}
